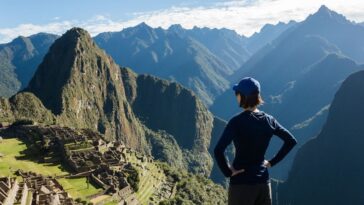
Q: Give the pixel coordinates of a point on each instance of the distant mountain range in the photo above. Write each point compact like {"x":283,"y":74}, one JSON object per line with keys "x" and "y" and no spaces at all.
{"x":300,"y":46}
{"x":19,"y":59}
{"x":200,"y":58}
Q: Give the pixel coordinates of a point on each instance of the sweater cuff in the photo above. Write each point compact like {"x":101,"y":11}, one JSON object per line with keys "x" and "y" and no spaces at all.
{"x":229,"y":173}
{"x":272,"y":162}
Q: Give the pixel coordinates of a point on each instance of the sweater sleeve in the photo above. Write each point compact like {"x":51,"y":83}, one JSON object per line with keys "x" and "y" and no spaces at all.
{"x":224,"y":141}
{"x":288,"y":139}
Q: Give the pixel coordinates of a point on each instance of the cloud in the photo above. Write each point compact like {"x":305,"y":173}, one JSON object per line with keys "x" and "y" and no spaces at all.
{"x":95,"y":25}
{"x":7,"y":34}
{"x":245,"y":17}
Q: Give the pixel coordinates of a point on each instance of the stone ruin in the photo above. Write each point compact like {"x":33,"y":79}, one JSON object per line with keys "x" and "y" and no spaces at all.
{"x":8,"y":190}
{"x":45,"y":190}
{"x":87,"y":153}
{"x":35,"y":189}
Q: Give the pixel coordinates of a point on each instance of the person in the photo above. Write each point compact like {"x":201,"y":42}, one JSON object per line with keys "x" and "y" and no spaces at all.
{"x":251,"y":131}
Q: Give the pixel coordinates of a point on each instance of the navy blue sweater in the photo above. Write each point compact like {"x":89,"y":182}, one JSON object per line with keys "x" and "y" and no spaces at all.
{"x":251,"y":133}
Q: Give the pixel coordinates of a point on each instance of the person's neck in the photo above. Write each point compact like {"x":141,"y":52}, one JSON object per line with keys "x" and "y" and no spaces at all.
{"x":252,"y":109}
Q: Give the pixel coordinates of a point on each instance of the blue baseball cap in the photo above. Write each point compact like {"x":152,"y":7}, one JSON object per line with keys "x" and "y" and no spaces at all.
{"x":247,"y":86}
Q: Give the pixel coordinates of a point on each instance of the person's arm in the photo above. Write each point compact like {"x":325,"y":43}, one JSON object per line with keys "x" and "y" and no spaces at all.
{"x":288,"y":139}
{"x":224,"y":141}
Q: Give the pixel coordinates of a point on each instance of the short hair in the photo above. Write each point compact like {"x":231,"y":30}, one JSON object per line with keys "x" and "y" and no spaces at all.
{"x":251,"y":100}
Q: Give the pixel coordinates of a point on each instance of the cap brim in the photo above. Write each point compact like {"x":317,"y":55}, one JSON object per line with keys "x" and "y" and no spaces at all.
{"x":235,"y":87}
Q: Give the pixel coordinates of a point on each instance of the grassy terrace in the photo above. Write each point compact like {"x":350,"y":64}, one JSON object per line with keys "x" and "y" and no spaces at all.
{"x":150,"y":179}
{"x":13,"y":150}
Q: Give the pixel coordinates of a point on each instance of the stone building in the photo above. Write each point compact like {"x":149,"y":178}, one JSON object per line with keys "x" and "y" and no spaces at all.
{"x":8,"y":190}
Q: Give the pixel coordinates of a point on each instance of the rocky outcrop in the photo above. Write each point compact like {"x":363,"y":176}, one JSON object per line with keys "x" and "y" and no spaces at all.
{"x":24,"y":106}
{"x":165,"y":105}
{"x":82,"y":86}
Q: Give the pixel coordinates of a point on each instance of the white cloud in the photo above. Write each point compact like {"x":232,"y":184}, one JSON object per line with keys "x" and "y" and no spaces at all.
{"x":95,"y":26}
{"x":246,"y":17}
{"x":7,"y":34}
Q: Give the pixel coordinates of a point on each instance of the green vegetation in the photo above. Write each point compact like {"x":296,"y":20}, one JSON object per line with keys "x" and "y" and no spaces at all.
{"x":150,"y":178}
{"x":165,"y":148}
{"x":133,"y":177}
{"x":193,"y":189}
{"x":9,"y":83}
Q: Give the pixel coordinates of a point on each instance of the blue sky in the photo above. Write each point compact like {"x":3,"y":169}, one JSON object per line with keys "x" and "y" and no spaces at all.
{"x":26,"y":17}
{"x":43,"y":11}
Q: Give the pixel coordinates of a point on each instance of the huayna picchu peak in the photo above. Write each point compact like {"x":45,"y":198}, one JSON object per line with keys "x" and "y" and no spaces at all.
{"x":83,"y":87}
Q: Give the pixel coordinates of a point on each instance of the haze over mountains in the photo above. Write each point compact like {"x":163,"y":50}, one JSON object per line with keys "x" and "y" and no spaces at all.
{"x":200,"y":58}
{"x":183,"y":55}
{"x":152,"y":89}
{"x":19,"y":59}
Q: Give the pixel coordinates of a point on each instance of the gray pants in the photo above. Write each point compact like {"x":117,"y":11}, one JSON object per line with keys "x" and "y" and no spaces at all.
{"x":250,"y":194}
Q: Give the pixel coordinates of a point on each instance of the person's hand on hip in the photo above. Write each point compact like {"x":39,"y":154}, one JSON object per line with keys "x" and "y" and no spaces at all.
{"x":267,"y":164}
{"x":235,"y":172}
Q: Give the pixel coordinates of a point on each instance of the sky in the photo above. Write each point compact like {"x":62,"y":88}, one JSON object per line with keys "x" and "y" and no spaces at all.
{"x":27,"y":17}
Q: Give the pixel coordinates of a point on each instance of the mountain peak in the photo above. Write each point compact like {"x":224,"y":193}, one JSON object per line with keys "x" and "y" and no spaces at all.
{"x":140,"y":29}
{"x":82,"y":85}
{"x":324,"y":9}
{"x":143,"y":25}
{"x":23,"y":42}
{"x":175,"y":27}
{"x":60,"y":65}
{"x":76,"y":34}
{"x":20,"y":40}
{"x":325,"y":14}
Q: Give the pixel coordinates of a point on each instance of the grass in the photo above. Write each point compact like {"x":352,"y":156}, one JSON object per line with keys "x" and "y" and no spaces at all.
{"x":112,"y":203}
{"x":14,"y":159}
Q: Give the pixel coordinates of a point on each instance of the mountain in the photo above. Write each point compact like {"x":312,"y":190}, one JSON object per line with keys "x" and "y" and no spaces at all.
{"x":24,"y":106}
{"x":19,"y":60}
{"x":165,"y":105}
{"x":289,"y":58}
{"x":80,"y":84}
{"x":168,"y":55}
{"x":77,"y":85}
{"x":345,"y":34}
{"x":201,"y":59}
{"x":228,"y":46}
{"x":309,"y":99}
{"x":324,"y":32}
{"x":21,"y":57}
{"x":315,"y":87}
{"x":266,"y":35}
{"x":326,"y":169}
